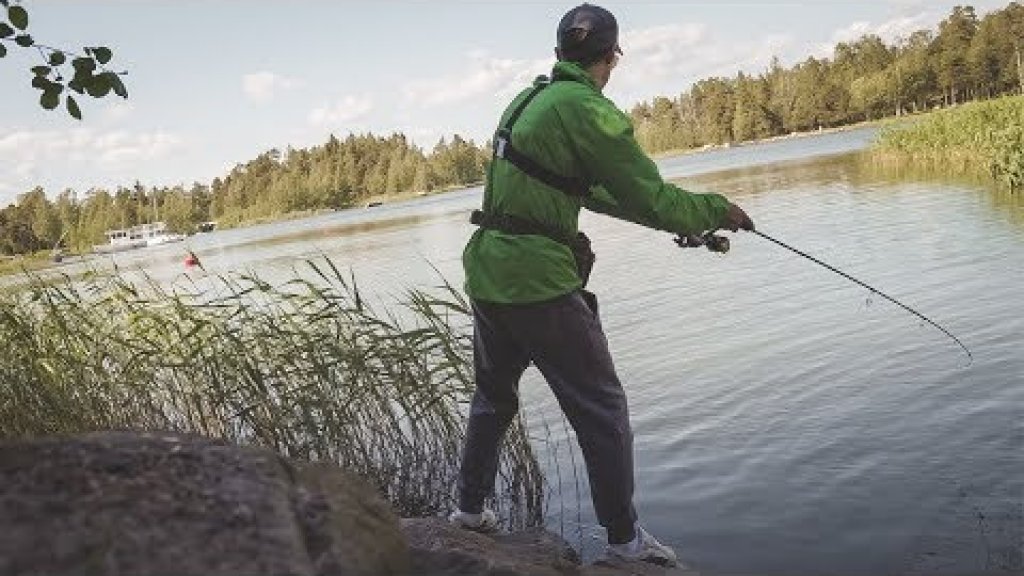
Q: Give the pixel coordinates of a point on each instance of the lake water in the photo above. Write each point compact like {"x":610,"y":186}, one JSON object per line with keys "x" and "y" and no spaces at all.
{"x":786,"y":421}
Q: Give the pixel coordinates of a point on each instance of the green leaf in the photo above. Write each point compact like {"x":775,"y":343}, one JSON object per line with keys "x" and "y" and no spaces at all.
{"x":3,"y":50}
{"x":82,"y":76}
{"x":102,"y":54}
{"x":40,"y":83}
{"x":73,"y":108}
{"x":76,"y":86}
{"x":84,"y":65}
{"x":57,"y":58}
{"x":118,"y":86}
{"x":18,"y":16}
{"x":101,"y":84}
{"x":24,"y":40}
{"x":49,"y":100}
{"x":41,"y":70}
{"x":5,"y":30}
{"x":98,"y":86}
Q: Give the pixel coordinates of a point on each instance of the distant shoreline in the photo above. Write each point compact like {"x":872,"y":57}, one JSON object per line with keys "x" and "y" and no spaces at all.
{"x":790,"y":136}
{"x":25,"y":263}
{"x":42,"y":260}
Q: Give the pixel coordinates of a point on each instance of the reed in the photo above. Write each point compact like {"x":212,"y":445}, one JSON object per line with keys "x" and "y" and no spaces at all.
{"x":308,"y":368}
{"x":982,"y":137}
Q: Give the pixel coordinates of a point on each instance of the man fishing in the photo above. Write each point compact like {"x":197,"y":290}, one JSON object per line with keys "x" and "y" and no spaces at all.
{"x":562,"y":145}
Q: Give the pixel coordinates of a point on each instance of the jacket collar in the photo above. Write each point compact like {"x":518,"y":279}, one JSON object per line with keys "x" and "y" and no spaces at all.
{"x":574,"y":72}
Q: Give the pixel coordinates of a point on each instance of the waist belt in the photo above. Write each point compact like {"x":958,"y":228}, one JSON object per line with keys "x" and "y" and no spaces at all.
{"x":579,"y":244}
{"x":515,"y":225}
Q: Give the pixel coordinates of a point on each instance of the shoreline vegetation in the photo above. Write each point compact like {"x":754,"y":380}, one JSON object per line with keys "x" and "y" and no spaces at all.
{"x":24,"y":262}
{"x":674,"y":152}
{"x":985,"y":138}
{"x":307,"y":368}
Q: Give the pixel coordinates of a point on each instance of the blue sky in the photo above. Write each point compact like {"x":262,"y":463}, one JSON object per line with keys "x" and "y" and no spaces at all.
{"x":213,"y":83}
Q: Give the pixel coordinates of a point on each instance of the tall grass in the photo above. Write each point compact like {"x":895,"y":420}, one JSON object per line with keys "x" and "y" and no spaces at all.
{"x":982,"y":137}
{"x":307,"y":368}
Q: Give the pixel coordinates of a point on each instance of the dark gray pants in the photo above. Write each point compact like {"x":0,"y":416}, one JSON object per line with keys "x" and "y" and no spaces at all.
{"x":564,"y":339}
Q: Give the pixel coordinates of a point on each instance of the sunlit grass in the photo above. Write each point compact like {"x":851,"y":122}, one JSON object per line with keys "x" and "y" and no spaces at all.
{"x":24,"y":262}
{"x":983,"y":137}
{"x":307,"y":368}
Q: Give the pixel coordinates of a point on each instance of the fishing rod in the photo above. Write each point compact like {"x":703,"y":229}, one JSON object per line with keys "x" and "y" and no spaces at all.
{"x":720,"y":244}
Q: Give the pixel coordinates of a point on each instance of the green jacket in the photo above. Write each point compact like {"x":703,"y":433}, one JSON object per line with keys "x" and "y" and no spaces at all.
{"x":572,"y":130}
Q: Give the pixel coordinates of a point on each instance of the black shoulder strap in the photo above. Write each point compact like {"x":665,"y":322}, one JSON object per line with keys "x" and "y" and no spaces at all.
{"x":542,"y":83}
{"x":503,"y":149}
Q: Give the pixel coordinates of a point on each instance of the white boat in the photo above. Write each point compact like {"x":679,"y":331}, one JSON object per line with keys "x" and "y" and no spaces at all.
{"x":156,"y":234}
{"x":153,"y":234}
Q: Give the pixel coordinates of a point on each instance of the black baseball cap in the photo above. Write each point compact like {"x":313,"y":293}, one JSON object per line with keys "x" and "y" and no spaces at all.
{"x":586,"y":33}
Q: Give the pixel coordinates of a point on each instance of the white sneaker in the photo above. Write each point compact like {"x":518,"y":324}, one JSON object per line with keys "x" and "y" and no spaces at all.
{"x":644,"y":548}
{"x":486,"y":521}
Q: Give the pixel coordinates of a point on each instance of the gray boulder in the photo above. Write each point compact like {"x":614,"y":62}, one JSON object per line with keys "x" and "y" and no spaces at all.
{"x":161,"y":504}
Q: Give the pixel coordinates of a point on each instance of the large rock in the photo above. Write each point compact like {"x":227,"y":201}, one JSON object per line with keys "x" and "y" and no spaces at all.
{"x":161,"y":504}
{"x":137,"y":504}
{"x":438,"y":549}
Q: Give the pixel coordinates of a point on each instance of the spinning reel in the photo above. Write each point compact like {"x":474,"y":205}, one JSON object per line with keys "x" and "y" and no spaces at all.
{"x":709,"y":240}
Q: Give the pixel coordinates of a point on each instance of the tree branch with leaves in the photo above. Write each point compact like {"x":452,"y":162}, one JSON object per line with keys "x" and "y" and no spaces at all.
{"x":61,"y":72}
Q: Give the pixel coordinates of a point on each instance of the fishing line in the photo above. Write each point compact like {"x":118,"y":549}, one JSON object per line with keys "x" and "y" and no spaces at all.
{"x":970,"y":357}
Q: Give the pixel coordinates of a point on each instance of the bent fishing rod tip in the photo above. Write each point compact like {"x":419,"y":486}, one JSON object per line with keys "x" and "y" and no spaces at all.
{"x":970,"y":357}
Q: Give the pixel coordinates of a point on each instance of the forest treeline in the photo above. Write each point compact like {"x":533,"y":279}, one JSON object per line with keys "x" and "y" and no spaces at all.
{"x":966,"y":58}
{"x":337,"y":174}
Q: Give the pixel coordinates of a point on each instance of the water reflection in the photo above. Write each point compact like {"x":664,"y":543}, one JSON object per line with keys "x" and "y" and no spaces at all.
{"x":1010,"y":203}
{"x":306,"y":234}
{"x":861,"y":170}
{"x":755,"y":180}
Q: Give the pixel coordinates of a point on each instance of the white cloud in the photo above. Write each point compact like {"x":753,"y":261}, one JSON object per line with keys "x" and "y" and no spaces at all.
{"x":263,"y":86}
{"x":661,"y":60}
{"x":484,"y":75}
{"x":346,"y":110}
{"x":890,"y":31}
{"x":119,"y":149}
{"x":666,"y":60}
{"x":30,"y":156}
{"x":24,"y":169}
{"x":663,"y":46}
{"x":117,"y":111}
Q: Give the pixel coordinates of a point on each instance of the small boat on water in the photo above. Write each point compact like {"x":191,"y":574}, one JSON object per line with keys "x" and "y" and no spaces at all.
{"x":141,"y":236}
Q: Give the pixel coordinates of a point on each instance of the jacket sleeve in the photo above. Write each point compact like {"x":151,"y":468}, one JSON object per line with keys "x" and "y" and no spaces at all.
{"x":629,"y":184}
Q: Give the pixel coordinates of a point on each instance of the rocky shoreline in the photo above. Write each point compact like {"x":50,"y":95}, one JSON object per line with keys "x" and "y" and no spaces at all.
{"x":122,"y":503}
